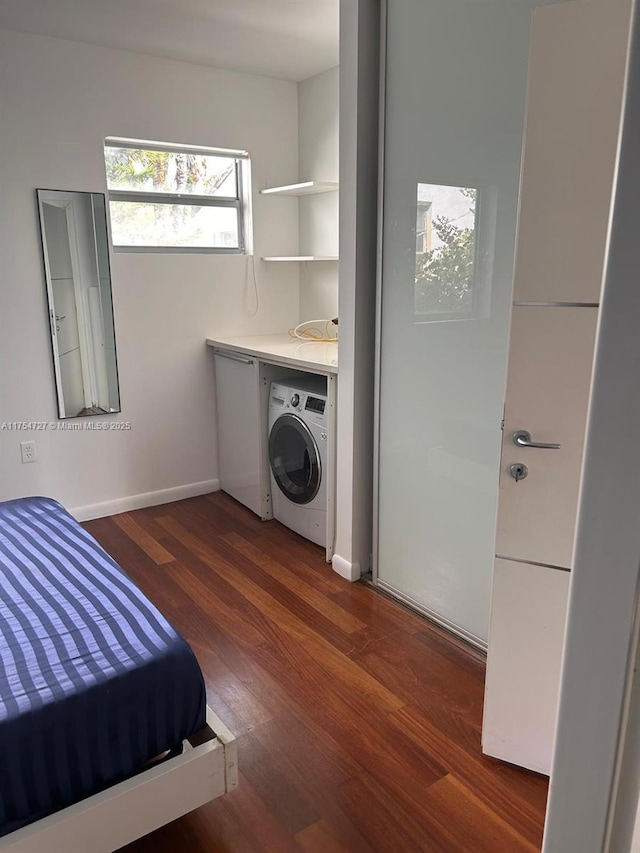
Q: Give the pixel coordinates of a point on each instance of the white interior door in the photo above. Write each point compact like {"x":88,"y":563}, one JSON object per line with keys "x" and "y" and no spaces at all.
{"x":67,"y":345}
{"x":66,"y":317}
{"x":570,"y":149}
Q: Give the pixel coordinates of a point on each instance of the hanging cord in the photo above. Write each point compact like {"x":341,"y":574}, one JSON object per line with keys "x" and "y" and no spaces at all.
{"x":251,"y":262}
{"x":320,"y":331}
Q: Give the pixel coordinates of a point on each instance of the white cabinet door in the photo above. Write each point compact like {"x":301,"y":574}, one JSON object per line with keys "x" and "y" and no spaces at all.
{"x":239,"y":428}
{"x":528,"y":614}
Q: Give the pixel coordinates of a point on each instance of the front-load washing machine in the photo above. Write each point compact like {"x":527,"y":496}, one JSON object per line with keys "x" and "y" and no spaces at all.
{"x":298,"y":438}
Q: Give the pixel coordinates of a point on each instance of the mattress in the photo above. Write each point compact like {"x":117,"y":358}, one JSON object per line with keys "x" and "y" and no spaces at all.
{"x":94,"y":682}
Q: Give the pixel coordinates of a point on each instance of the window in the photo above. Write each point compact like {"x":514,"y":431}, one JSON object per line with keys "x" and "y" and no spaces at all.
{"x":177,"y":197}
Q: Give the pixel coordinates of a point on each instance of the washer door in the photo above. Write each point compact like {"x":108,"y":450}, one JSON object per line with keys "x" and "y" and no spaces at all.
{"x":294,"y":459}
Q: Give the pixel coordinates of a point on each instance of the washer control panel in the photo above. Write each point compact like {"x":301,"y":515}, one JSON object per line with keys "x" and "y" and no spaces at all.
{"x":315,"y":404}
{"x":309,"y":404}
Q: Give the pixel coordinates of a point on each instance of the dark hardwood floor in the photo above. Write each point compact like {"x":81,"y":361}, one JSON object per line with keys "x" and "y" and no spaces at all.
{"x":358,"y":723}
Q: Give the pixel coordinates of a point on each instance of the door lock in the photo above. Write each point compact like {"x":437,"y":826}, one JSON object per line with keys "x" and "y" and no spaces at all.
{"x":519,"y":471}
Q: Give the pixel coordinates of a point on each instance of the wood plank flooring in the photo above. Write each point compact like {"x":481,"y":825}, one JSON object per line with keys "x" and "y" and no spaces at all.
{"x":358,"y":723}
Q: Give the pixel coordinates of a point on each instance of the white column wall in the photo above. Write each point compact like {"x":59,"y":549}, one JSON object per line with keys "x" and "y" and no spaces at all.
{"x":359,"y":62}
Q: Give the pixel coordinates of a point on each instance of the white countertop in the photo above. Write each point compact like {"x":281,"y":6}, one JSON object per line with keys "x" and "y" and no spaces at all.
{"x":283,"y":349}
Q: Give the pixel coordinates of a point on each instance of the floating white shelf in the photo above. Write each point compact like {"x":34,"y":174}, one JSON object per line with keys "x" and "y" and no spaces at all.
{"x":301,"y":258}
{"x":303,"y":188}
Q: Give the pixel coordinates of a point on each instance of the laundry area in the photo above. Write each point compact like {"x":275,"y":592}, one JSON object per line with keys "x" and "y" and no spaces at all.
{"x":276,"y":402}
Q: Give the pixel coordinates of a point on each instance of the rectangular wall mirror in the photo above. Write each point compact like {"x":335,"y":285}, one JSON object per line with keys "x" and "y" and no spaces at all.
{"x":77,"y":272}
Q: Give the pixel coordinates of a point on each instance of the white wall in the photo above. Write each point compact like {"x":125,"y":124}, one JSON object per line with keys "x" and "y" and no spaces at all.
{"x":58,"y":100}
{"x":318,"y":102}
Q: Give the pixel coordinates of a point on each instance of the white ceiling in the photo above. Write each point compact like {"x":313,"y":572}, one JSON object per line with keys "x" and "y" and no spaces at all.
{"x":292,"y":39}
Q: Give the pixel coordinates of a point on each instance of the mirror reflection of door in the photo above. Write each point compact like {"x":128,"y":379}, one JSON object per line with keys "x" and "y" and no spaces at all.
{"x":66,"y":350}
{"x":74,"y":234}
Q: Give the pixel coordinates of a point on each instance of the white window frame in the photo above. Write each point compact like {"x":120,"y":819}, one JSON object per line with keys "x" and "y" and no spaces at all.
{"x":242,"y":201}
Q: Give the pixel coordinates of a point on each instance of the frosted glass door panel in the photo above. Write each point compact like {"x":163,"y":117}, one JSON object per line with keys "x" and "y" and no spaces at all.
{"x":455,"y":101}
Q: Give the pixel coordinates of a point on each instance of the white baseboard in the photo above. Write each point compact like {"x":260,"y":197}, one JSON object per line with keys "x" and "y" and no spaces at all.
{"x":346,"y":569}
{"x":162,"y":496}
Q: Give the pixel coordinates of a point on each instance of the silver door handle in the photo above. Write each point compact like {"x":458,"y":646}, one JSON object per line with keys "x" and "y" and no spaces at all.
{"x":522,"y":438}
{"x":223,"y":353}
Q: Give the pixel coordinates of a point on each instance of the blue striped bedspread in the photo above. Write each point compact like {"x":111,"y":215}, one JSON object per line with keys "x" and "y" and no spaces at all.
{"x":94,"y":682}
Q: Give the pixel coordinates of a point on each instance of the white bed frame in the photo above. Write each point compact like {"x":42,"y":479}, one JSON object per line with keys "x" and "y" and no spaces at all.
{"x":207,"y":768}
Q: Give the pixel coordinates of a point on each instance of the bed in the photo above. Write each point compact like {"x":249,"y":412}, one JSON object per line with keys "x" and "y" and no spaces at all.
{"x":105,"y":733}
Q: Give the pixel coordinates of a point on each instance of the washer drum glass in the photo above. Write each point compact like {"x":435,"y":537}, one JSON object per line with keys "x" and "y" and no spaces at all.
{"x":294,"y":459}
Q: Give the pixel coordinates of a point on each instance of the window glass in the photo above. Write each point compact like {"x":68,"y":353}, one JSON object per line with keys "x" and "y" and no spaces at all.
{"x":136,"y":223}
{"x":170,"y":172}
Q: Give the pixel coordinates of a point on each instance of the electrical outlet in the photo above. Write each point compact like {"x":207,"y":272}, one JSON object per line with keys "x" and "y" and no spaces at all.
{"x":28,"y":451}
